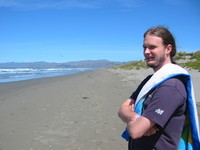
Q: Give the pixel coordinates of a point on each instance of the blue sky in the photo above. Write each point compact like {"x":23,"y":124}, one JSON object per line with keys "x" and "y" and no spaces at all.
{"x":73,"y":30}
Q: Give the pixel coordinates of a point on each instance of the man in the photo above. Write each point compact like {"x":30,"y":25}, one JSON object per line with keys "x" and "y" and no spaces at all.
{"x":155,"y":113}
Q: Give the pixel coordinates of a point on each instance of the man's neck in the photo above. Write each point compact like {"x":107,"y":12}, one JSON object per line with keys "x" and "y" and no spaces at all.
{"x":156,"y":69}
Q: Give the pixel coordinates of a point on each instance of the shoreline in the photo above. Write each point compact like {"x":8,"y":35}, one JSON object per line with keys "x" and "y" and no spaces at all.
{"x":22,"y":74}
{"x":72,"y":112}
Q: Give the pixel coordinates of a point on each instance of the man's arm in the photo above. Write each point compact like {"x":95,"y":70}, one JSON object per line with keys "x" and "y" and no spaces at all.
{"x":126,"y":111}
{"x":137,"y":125}
{"x":141,"y":127}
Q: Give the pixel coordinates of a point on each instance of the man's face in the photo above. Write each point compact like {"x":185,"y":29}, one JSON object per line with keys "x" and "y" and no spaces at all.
{"x":154,"y":52}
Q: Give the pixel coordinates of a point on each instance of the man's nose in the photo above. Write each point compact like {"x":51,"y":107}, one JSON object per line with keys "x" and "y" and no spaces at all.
{"x":146,"y":50}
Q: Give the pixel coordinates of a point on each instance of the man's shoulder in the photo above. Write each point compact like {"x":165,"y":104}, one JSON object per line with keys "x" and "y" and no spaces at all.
{"x":175,"y":84}
{"x":175,"y":81}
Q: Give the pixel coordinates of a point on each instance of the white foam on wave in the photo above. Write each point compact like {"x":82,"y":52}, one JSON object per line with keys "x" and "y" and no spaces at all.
{"x":17,"y":70}
{"x":17,"y":74}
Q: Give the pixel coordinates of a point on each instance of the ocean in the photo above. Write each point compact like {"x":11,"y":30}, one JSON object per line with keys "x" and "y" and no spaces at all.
{"x":18,"y":74}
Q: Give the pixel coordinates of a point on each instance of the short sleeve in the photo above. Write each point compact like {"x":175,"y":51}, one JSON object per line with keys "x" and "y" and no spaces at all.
{"x":165,"y":101}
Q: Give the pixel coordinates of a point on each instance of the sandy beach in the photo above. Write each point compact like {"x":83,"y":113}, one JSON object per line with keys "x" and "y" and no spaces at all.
{"x":72,"y":112}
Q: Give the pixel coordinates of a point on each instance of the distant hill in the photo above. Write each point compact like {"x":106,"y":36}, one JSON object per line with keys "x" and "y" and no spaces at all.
{"x":73,"y":64}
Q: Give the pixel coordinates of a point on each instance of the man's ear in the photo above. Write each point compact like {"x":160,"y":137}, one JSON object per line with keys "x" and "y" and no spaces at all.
{"x":168,"y":49}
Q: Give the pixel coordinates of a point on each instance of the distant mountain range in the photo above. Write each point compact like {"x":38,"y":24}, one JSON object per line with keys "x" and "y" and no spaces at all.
{"x":74,"y":64}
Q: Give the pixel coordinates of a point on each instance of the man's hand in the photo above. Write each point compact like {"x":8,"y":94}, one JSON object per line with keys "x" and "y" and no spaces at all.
{"x":151,"y":131}
{"x":126,"y":111}
{"x":137,"y":125}
{"x":140,"y":127}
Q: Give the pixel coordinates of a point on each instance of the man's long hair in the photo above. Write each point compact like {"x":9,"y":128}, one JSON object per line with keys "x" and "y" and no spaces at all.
{"x":166,"y":36}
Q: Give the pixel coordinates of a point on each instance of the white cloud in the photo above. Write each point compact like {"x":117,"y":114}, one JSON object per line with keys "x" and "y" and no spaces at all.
{"x":63,"y":4}
{"x":7,"y":3}
{"x":41,"y":4}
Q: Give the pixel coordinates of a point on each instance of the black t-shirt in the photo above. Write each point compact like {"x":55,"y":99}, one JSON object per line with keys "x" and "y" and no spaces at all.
{"x":165,"y":106}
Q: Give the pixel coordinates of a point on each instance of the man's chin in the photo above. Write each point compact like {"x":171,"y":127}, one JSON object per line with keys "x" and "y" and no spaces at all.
{"x":150,"y":64}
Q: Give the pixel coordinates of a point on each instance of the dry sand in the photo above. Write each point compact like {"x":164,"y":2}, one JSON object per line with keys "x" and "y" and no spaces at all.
{"x":73,"y":112}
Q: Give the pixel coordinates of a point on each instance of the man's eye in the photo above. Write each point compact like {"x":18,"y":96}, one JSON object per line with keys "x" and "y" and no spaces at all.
{"x":152,"y":47}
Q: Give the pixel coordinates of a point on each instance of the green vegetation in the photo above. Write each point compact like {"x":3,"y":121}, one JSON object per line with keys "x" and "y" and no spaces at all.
{"x":132,"y":65}
{"x":183,"y":55}
{"x":188,"y":60}
{"x":193,"y":65}
{"x":196,"y":56}
{"x":194,"y":61}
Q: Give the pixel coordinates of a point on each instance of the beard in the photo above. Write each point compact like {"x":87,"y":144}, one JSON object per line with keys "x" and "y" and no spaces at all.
{"x":156,"y":62}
